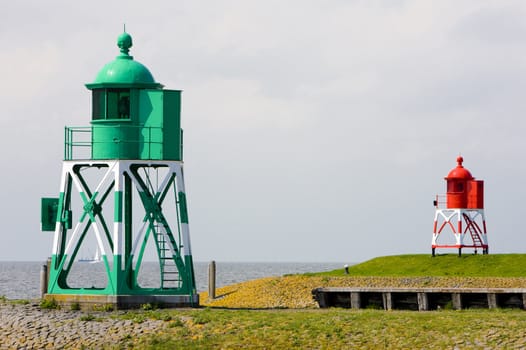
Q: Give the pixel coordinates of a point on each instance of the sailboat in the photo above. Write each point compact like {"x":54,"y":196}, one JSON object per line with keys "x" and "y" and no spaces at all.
{"x":92,"y":260}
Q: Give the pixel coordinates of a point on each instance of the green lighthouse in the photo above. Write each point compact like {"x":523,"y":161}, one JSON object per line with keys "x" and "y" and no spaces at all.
{"x":122,"y":190}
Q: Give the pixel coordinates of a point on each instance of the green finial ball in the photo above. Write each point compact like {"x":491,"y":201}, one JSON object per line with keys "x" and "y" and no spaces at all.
{"x":124,"y":42}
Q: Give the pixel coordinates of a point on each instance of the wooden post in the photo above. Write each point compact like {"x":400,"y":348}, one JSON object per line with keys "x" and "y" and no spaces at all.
{"x":423,"y":303}
{"x":43,"y":280}
{"x":212,"y":280}
{"x":456,"y":298}
{"x":48,"y":271}
{"x":322,"y":297}
{"x":355,"y":300}
{"x":387,"y":300}
{"x":492,"y":300}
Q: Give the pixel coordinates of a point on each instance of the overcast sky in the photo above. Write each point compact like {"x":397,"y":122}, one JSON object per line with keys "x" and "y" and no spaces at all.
{"x":315,"y":131}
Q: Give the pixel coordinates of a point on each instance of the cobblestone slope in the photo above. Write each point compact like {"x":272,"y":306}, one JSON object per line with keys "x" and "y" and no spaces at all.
{"x":29,"y":327}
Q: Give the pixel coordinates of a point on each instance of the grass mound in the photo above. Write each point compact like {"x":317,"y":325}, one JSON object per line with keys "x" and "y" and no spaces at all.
{"x":338,"y":329}
{"x":492,"y":265}
{"x":401,"y":271}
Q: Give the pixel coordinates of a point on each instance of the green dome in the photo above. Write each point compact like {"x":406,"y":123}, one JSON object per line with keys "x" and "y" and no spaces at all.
{"x":124,"y":71}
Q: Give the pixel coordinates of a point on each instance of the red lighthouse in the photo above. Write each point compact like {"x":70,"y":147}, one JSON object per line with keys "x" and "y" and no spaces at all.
{"x":461,"y":214}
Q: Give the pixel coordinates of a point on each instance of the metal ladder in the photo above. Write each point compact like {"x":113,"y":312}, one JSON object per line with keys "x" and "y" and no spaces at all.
{"x":474,"y":231}
{"x":170,"y":277}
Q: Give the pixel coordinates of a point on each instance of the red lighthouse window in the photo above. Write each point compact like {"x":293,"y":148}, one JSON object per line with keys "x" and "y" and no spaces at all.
{"x":455,"y":186}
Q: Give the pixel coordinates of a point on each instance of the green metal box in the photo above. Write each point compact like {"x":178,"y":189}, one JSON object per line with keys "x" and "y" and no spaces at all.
{"x":48,"y":214}
{"x":160,"y":120}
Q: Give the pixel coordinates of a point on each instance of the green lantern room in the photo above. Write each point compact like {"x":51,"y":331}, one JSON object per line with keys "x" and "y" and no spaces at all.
{"x":132,"y":116}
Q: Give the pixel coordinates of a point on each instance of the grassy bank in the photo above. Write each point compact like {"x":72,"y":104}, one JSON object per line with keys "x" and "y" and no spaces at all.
{"x":337,"y":329}
{"x":247,"y":315}
{"x":217,"y":328}
{"x":468,"y":265}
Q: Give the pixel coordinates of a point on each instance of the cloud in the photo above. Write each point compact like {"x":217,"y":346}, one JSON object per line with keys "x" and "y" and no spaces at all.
{"x":497,"y":24}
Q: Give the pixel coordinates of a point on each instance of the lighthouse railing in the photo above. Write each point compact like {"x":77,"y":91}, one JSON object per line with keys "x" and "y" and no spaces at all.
{"x":440,"y":201}
{"x":78,"y":142}
{"x":77,"y":137}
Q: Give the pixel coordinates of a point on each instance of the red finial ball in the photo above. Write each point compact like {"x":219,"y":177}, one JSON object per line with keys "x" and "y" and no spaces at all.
{"x":459,"y":172}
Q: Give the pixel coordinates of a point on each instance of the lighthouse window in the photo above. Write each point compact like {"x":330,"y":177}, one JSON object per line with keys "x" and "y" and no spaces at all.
{"x":118,"y":104}
{"x":111,"y":104}
{"x":454,"y":186}
{"x":98,"y":104}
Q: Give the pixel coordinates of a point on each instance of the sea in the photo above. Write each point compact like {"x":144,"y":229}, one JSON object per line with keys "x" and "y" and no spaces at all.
{"x":21,"y":280}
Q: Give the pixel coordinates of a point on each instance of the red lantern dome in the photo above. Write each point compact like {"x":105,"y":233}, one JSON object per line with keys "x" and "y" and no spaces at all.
{"x":459,"y":172}
{"x":463,"y":191}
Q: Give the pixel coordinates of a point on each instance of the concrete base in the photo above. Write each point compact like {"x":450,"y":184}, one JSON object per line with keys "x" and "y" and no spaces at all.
{"x":122,"y":302}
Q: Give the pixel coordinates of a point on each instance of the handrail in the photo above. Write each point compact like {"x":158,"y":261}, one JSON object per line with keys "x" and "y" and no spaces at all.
{"x":70,"y":143}
{"x":78,"y":137}
{"x":440,"y":201}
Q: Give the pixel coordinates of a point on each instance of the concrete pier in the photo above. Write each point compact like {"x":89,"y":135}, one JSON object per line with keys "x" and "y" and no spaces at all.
{"x":420,"y":299}
{"x":122,"y":302}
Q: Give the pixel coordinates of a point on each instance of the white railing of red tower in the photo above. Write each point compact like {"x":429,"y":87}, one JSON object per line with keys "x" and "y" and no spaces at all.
{"x":440,"y":201}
